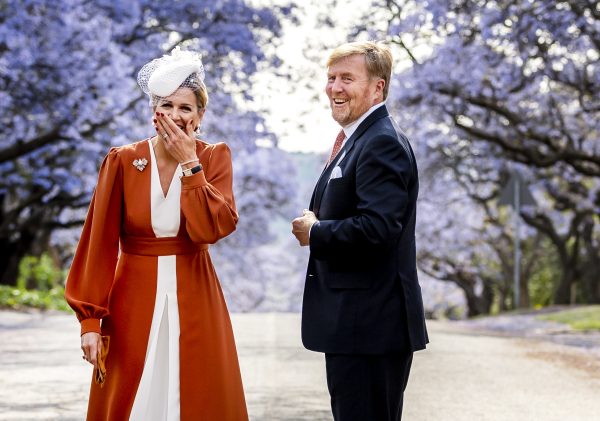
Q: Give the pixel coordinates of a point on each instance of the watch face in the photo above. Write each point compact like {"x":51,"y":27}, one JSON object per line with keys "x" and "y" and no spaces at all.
{"x":191,"y":171}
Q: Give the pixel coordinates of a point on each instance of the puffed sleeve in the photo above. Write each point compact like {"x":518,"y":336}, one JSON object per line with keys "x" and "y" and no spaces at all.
{"x":207,"y":198}
{"x":92,"y":271}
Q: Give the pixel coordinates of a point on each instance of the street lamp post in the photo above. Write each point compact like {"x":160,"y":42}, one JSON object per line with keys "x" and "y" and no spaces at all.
{"x":515,"y":193}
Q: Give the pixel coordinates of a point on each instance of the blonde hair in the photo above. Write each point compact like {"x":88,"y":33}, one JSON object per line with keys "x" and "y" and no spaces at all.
{"x":199,"y":89}
{"x":201,"y":95}
{"x":378,"y":59}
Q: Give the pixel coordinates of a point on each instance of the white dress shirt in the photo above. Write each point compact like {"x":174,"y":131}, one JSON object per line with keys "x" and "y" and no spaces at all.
{"x":351,"y":128}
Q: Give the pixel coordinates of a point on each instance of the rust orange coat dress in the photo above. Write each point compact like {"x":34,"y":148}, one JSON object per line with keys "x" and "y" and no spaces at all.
{"x":112,"y":284}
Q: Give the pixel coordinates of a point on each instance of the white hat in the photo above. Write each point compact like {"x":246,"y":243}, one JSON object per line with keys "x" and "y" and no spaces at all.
{"x":163,"y":76}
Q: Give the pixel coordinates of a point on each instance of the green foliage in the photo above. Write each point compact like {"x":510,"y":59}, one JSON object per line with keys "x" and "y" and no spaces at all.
{"x":540,"y":268}
{"x":20,"y":298}
{"x":545,"y":273}
{"x":39,"y":273}
{"x":584,"y":318}
{"x":541,"y":286}
{"x":39,"y":285}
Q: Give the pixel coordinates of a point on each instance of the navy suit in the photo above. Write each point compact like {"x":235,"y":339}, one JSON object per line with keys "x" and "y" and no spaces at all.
{"x":362,"y":295}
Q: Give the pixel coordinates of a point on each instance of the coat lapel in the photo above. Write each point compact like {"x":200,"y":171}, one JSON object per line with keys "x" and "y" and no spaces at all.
{"x":317,"y":195}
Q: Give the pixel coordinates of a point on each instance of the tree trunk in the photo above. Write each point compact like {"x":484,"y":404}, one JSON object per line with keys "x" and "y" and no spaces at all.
{"x":30,"y":241}
{"x":478,"y":304}
{"x":562,"y":295}
{"x":11,"y":253}
{"x":590,"y":269}
{"x":524,"y":293}
{"x":590,"y":282}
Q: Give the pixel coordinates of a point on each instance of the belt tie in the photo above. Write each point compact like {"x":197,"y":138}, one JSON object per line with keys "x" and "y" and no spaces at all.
{"x":160,"y":246}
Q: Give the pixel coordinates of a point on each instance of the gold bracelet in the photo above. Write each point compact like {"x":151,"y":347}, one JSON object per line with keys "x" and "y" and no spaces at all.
{"x":188,"y":162}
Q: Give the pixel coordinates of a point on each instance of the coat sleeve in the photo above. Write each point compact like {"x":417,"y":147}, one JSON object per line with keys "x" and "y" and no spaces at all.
{"x":383,"y":175}
{"x":207,"y":198}
{"x":92,"y":271}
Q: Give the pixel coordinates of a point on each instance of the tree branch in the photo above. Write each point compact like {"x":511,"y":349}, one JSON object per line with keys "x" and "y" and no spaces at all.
{"x":21,"y":148}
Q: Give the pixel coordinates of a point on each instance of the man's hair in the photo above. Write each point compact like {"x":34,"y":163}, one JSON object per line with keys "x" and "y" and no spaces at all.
{"x":378,"y":59}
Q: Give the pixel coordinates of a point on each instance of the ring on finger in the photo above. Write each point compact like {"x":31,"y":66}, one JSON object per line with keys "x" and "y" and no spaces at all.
{"x":166,"y":136}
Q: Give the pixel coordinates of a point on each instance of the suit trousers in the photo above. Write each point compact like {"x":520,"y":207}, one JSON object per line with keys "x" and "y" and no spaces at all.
{"x":367,"y":387}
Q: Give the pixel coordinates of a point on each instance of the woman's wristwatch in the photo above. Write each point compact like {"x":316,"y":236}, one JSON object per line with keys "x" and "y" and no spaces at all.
{"x":193,"y":170}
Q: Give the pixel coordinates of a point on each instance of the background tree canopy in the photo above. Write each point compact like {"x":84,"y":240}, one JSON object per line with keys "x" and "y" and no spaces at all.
{"x":483,"y":89}
{"x":68,"y":91}
{"x":494,"y":87}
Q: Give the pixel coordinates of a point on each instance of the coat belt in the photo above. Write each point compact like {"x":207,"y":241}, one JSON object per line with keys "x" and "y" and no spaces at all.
{"x":161,"y":246}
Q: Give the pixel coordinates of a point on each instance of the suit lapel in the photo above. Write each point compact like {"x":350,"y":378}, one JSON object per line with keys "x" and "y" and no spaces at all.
{"x":315,"y":201}
{"x":320,"y":188}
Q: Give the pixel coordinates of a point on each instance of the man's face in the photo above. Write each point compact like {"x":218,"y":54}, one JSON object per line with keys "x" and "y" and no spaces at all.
{"x":350,"y":90}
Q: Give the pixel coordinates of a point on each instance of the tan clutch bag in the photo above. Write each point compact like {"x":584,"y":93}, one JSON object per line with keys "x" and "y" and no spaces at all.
{"x":100,"y":371}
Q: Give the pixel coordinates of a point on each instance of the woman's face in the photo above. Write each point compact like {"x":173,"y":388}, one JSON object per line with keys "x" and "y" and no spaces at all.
{"x":182,"y":107}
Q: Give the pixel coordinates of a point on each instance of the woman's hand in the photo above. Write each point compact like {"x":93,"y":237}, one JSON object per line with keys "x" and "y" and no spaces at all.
{"x":91,"y":345}
{"x":181,"y":145}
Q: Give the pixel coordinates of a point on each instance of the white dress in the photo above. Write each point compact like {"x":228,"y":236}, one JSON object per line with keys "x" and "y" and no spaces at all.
{"x":157,"y":397}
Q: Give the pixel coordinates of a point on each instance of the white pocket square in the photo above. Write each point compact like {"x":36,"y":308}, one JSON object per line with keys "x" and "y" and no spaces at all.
{"x":336,"y":173}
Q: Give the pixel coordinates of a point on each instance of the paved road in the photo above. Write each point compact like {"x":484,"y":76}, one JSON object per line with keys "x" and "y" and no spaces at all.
{"x":462,"y":376}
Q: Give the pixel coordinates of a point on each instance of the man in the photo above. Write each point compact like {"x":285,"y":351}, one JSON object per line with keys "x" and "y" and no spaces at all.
{"x":362,"y":301}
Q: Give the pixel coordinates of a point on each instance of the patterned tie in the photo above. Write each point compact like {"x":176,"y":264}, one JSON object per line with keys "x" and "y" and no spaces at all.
{"x":339,"y":140}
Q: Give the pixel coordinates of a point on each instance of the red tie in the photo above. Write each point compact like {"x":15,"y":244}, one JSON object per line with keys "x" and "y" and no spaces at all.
{"x":339,"y":140}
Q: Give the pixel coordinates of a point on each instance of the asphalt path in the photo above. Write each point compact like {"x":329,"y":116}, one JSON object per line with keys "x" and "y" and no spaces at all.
{"x":463,"y":375}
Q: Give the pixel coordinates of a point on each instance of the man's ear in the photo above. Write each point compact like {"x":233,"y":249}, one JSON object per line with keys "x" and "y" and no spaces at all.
{"x":379,"y":88}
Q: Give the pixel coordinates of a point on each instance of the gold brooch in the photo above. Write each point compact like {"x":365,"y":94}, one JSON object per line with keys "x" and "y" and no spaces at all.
{"x":140,"y":163}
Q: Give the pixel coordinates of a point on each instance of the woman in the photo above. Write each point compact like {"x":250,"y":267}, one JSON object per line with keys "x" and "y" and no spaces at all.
{"x":142,"y":274}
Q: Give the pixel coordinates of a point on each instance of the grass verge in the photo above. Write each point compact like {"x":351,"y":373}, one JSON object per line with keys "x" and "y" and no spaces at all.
{"x":585,"y":318}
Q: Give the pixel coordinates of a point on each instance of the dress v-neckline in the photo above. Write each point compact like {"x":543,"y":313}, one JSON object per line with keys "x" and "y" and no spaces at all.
{"x":157,"y":173}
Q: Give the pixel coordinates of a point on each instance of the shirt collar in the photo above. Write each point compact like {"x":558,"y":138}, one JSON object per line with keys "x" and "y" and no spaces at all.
{"x":351,"y":128}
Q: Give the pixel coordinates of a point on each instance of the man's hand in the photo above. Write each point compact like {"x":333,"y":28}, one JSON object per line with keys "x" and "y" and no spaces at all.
{"x":301,"y":226}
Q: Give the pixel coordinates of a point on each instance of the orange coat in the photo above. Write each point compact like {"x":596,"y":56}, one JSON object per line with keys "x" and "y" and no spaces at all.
{"x":113,"y":279}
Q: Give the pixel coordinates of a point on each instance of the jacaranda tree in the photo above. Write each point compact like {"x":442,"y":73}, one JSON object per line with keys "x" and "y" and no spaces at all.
{"x":68,"y":92}
{"x":501,"y":86}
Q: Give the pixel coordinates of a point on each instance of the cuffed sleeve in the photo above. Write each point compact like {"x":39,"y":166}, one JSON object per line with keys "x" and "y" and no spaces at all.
{"x":90,"y":325}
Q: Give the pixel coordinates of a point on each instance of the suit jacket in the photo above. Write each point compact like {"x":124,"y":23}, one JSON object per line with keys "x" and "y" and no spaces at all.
{"x":361,"y":293}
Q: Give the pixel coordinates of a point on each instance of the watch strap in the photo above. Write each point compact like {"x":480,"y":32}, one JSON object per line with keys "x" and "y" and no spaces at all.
{"x":191,"y":171}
